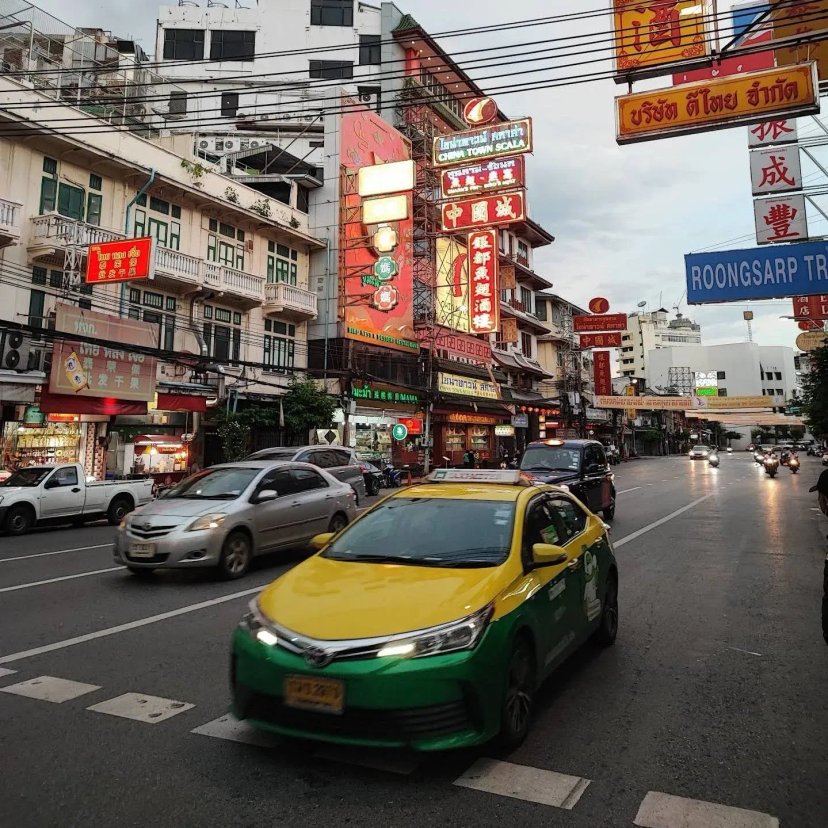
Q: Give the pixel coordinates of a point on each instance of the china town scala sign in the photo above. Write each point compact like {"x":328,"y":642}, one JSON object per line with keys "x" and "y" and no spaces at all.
{"x":495,"y":141}
{"x":789,"y":91}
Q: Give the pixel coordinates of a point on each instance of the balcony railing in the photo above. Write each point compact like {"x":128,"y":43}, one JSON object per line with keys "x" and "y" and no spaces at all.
{"x":177,"y":265}
{"x":230,"y":280}
{"x":10,"y":212}
{"x":69,"y":231}
{"x":290,"y":301}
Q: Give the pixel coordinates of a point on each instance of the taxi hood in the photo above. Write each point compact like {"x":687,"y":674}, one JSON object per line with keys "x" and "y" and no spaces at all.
{"x":334,"y":600}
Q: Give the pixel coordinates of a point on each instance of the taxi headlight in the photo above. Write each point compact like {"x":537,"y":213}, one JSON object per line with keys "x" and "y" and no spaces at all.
{"x":207,"y":522}
{"x":255,"y":623}
{"x":447,"y":638}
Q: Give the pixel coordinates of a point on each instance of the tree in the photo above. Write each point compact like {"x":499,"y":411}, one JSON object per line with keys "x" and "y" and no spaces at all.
{"x":234,"y":434}
{"x":307,"y":407}
{"x":731,"y":435}
{"x":815,"y":393}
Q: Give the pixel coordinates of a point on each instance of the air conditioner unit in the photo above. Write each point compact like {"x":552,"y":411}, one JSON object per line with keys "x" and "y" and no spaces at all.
{"x":230,"y":144}
{"x":256,"y":143}
{"x":204,"y":144}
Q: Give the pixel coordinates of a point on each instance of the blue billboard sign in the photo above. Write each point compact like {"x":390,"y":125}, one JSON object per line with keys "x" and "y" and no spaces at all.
{"x":771,"y":272}
{"x":744,"y":16}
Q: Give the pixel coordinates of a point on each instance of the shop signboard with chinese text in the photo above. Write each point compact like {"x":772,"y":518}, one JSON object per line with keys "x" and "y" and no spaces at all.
{"x":484,"y":290}
{"x":603,"y":372}
{"x":413,"y":425}
{"x":651,"y":34}
{"x":811,"y":307}
{"x":451,"y":293}
{"x":599,"y":323}
{"x":483,"y":177}
{"x":647,"y":403}
{"x":772,"y":272}
{"x":120,"y":261}
{"x":601,"y":340}
{"x":467,"y":386}
{"x":384,"y":394}
{"x":377,"y":309}
{"x":717,"y":104}
{"x":772,"y":133}
{"x":483,"y":143}
{"x":486,"y":211}
{"x":509,"y":333}
{"x":83,"y":369}
{"x":776,"y":170}
{"x":801,"y":18}
{"x":780,"y":219}
{"x":467,"y":349}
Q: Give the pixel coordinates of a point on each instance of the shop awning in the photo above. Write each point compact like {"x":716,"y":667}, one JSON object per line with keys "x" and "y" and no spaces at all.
{"x":518,"y":362}
{"x":181,"y":402}
{"x":70,"y":404}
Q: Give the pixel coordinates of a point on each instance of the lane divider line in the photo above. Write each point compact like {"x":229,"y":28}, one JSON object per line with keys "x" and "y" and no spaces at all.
{"x":130,"y":625}
{"x":58,"y":552}
{"x":660,"y":810}
{"x":633,"y":489}
{"x":56,"y":580}
{"x":655,"y":524}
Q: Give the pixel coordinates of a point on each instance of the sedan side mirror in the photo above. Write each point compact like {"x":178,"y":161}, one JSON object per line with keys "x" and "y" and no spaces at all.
{"x":321,"y":541}
{"x":545,"y":554}
{"x":266,"y":495}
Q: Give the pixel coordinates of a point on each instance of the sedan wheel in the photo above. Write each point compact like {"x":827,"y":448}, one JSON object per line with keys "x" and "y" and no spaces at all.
{"x":235,"y":556}
{"x":337,"y":524}
{"x":518,"y":703}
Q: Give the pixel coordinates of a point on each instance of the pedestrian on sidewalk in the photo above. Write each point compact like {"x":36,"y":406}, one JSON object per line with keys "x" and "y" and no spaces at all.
{"x":821,"y":488}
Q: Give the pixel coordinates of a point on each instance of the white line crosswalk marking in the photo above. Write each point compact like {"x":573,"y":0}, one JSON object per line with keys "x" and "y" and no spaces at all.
{"x":50,"y":689}
{"x":4,"y":671}
{"x":232,"y":730}
{"x":522,"y":782}
{"x":660,"y":810}
{"x":141,"y":708}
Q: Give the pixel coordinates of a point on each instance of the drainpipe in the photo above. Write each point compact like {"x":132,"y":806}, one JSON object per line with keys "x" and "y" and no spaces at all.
{"x":127,"y":221}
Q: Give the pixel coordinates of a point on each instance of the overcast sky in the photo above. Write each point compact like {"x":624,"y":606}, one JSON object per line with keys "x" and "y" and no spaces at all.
{"x":623,"y":216}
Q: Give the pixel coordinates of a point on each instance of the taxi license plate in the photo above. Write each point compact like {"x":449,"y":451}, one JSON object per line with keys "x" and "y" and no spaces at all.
{"x":322,"y":695}
{"x":142,"y":550}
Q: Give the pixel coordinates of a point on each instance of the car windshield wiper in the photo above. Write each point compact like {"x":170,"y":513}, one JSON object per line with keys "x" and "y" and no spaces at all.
{"x":462,"y":564}
{"x":390,"y":559}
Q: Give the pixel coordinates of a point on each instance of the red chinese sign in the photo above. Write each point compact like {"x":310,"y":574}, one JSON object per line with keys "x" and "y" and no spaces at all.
{"x":483,"y":212}
{"x":603,"y":373}
{"x":485,"y":177}
{"x":599,"y":305}
{"x":773,"y":132}
{"x":458,"y":347}
{"x":602,"y":340}
{"x":84,"y":369}
{"x":414,"y":425}
{"x":810,"y":307}
{"x":485,"y":292}
{"x":780,"y":219}
{"x":121,"y":261}
{"x":600,"y":323}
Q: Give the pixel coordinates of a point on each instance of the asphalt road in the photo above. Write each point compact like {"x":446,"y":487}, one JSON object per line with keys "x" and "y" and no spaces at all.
{"x":715,"y":691}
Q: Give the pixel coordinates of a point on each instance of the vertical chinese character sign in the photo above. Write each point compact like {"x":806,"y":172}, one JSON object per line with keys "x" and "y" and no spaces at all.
{"x":776,"y":170}
{"x":602,"y":373}
{"x":780,"y":219}
{"x":484,"y":290}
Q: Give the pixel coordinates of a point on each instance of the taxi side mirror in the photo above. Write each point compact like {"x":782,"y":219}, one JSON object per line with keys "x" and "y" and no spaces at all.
{"x":545,"y":554}
{"x":321,"y":541}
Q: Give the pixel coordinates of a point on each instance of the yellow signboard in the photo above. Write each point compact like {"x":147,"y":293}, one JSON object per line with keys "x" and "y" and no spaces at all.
{"x":720,"y":103}
{"x":648,"y":403}
{"x":467,"y":386}
{"x":652,"y":34}
{"x":736,"y":403}
{"x":792,"y":19}
{"x":811,"y":340}
{"x":451,"y":294}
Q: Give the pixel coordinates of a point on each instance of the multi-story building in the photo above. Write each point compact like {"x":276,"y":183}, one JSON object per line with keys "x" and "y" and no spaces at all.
{"x":651,"y":330}
{"x":228,"y":305}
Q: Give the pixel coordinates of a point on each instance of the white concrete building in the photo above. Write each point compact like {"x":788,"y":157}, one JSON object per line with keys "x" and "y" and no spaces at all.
{"x":648,"y":331}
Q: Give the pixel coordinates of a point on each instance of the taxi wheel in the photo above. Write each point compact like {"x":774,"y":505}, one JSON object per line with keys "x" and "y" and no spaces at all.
{"x":235,"y":556}
{"x":519,"y":700}
{"x":607,"y":630}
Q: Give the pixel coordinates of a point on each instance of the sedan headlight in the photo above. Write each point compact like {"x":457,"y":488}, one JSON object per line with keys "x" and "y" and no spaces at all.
{"x":447,"y":638}
{"x":207,"y":522}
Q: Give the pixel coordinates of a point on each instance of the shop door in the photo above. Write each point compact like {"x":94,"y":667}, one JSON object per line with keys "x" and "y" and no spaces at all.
{"x":63,"y":495}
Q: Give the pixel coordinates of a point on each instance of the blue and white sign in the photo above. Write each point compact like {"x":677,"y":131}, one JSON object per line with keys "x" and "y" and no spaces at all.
{"x":771,"y":272}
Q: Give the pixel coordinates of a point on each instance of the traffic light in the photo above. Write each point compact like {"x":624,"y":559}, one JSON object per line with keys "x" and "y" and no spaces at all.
{"x":15,"y":346}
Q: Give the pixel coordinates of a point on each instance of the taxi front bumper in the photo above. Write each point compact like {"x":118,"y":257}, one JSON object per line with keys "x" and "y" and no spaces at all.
{"x":428,"y":704}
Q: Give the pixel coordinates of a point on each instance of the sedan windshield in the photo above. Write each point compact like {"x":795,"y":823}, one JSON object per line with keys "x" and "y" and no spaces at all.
{"x":702,"y":448}
{"x":214,"y":484}
{"x":551,"y":458}
{"x":422,"y":531}
{"x":27,"y":477}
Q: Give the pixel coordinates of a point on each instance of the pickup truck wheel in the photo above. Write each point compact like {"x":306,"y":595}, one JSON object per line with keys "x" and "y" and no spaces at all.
{"x":118,"y":510}
{"x":235,"y":556}
{"x":19,"y":519}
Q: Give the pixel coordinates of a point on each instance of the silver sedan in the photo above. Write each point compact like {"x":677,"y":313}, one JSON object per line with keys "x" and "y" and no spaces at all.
{"x":224,"y":515}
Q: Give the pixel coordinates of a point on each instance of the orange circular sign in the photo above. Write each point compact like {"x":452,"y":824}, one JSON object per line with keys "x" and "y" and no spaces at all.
{"x":599,"y":305}
{"x":479,"y":111}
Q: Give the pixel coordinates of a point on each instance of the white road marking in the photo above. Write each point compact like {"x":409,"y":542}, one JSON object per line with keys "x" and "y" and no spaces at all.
{"x":521,"y":782}
{"x":58,"y":552}
{"x":50,"y":689}
{"x":624,"y":491}
{"x":660,"y":810}
{"x":232,"y":730}
{"x":654,"y":525}
{"x":64,"y":578}
{"x":6,"y":672}
{"x":131,"y":625}
{"x":141,"y":708}
{"x":747,"y":652}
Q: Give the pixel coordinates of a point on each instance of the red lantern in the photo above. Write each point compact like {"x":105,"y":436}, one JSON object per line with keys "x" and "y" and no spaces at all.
{"x":523,"y":408}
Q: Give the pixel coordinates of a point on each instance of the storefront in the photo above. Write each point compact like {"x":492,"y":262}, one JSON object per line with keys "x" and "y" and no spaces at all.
{"x":36,"y":438}
{"x":163,"y":457}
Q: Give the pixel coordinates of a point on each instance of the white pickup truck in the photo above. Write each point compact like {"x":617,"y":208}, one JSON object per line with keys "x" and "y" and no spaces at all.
{"x":62,"y":494}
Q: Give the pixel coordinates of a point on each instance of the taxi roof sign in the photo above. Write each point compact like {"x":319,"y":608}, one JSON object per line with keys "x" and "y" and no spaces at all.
{"x":513,"y":478}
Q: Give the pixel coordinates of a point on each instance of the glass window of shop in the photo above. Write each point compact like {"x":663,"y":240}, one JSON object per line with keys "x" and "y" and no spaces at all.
{"x":35,"y":443}
{"x":225,"y":244}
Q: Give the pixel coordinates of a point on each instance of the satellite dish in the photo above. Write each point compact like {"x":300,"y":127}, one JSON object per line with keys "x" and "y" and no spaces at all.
{"x":642,"y":304}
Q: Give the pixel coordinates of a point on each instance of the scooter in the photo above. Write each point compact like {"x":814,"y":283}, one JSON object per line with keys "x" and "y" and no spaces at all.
{"x":793,"y":465}
{"x":713,"y":460}
{"x":771,"y":465}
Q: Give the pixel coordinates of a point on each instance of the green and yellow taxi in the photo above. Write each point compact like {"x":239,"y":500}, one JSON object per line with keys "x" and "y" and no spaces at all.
{"x":430,"y":621}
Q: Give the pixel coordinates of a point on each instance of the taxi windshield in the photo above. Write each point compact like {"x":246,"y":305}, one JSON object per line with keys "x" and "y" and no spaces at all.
{"x":424,"y":531}
{"x":550,"y":458}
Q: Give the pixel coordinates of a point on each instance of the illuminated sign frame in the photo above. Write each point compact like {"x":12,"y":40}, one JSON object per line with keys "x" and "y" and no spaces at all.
{"x":494,"y":141}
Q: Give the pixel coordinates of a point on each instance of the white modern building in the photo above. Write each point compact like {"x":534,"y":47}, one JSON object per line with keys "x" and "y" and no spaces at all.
{"x":648,"y":331}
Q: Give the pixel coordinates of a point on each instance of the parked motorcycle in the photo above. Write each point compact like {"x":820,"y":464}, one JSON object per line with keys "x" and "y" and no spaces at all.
{"x":793,"y":464}
{"x":771,"y":465}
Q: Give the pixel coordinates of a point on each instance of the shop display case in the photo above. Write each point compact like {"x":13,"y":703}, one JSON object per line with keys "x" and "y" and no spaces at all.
{"x":28,"y":445}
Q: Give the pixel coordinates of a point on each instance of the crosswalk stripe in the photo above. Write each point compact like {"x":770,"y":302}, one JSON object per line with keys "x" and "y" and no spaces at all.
{"x":6,"y":672}
{"x":232,"y":730}
{"x":521,"y":782}
{"x":141,"y":708}
{"x":50,"y":689}
{"x":661,"y":810}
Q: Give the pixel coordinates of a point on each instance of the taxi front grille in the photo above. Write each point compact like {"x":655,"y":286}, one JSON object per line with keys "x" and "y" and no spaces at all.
{"x":358,"y":723}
